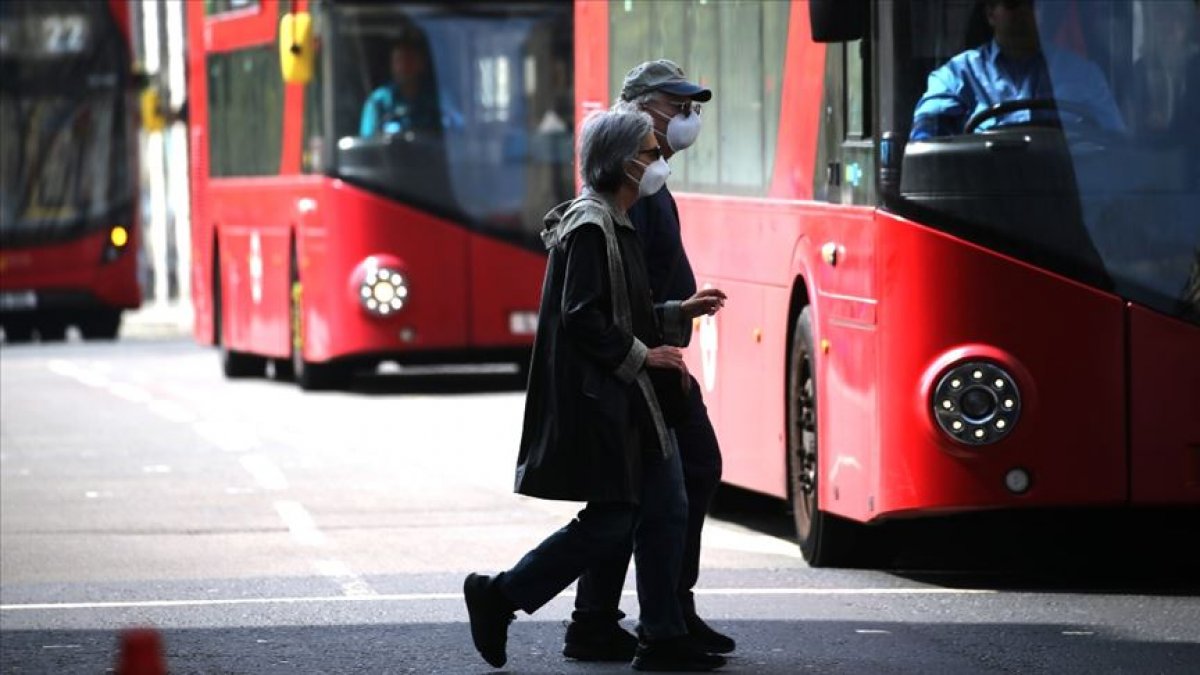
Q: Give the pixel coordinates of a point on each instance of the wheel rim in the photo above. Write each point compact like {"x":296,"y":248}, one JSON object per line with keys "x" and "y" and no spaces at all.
{"x":804,"y":461}
{"x":297,"y":333}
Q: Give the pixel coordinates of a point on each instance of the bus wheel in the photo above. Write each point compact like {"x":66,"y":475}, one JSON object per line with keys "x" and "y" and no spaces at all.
{"x":825,"y":540}
{"x":17,"y":328}
{"x":52,"y":329}
{"x":310,"y":376}
{"x":101,"y":325}
{"x":234,"y":365}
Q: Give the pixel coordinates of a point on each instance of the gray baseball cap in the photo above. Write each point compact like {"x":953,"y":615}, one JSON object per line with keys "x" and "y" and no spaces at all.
{"x":661,"y":75}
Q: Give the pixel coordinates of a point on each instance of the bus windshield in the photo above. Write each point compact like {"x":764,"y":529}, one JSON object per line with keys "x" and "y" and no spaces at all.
{"x":63,"y":97}
{"x":462,"y":111}
{"x":1062,"y":132}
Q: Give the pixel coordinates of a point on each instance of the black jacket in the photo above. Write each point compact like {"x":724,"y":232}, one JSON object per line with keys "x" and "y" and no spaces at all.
{"x":656,"y":219}
{"x":589,"y":411}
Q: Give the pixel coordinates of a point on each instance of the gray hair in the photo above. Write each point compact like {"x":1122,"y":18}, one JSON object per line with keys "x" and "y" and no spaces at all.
{"x":637,"y":103}
{"x":609,"y":139}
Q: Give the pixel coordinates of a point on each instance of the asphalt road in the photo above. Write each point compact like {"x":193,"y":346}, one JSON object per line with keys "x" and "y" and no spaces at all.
{"x":263,"y":530}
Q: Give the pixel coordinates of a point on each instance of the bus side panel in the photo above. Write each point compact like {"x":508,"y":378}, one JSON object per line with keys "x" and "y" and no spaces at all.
{"x":202,"y":235}
{"x":76,"y":266}
{"x":1165,"y":407}
{"x":505,"y":280}
{"x":353,"y":225}
{"x":1067,"y":341}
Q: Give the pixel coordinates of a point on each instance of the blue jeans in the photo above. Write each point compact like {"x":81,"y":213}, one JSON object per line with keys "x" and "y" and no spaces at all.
{"x":599,"y":592}
{"x":601,"y":533}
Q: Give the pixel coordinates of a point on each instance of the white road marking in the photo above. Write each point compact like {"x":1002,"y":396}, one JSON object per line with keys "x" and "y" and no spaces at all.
{"x":300,"y":523}
{"x":265,"y":473}
{"x":457,"y":597}
{"x":129,"y":392}
{"x":171,"y":411}
{"x":229,"y":437}
{"x":720,"y":536}
{"x":351,"y":583}
{"x":86,"y":376}
{"x":1078,"y":632}
{"x":156,"y":468}
{"x":872,"y":631}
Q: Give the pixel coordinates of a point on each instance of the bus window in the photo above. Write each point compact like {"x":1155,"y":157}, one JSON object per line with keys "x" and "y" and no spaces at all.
{"x":1082,"y":168}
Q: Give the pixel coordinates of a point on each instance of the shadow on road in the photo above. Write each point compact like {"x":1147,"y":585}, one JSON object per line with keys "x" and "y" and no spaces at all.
{"x":765,"y":648}
{"x":1081,"y":550}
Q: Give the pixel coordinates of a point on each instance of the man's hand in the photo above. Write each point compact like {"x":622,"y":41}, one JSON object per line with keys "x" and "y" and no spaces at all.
{"x":706,"y":301}
{"x":665,"y":357}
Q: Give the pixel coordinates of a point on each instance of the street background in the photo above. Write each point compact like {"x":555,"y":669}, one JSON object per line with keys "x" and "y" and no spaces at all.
{"x":266,"y":530}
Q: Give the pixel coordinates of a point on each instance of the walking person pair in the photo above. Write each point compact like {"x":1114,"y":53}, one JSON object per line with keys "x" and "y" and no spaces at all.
{"x":607,"y":387}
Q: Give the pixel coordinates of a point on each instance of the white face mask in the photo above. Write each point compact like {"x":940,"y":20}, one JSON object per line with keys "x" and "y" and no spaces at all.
{"x":682,"y":130}
{"x":653,"y":178}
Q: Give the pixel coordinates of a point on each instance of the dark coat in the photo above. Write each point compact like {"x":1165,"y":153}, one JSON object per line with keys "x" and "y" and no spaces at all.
{"x":590,"y":411}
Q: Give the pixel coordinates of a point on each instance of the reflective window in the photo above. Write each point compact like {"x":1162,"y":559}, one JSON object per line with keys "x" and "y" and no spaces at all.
{"x":467,"y":114}
{"x":222,"y":6}
{"x":1091,"y":163}
{"x":734,"y":47}
{"x":66,"y":128}
{"x":245,"y":109}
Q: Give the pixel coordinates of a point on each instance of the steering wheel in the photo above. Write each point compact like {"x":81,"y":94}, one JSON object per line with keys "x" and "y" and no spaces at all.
{"x":1084,"y":114}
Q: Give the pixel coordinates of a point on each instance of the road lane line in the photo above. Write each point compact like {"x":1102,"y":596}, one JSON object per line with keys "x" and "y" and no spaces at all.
{"x":300,"y":523}
{"x":172,"y":411}
{"x":265,"y":473}
{"x":228,"y":437}
{"x":86,"y":376}
{"x":423,"y":597}
{"x":129,"y":392}
{"x":340,"y":572}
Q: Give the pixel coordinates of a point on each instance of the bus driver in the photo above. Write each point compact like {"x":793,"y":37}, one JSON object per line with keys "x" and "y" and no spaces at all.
{"x":408,"y":102}
{"x":1014,"y":65}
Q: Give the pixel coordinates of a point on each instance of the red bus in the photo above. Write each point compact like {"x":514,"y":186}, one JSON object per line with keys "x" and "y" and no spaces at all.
{"x":996,"y":320}
{"x":332,"y":231}
{"x":68,"y":168}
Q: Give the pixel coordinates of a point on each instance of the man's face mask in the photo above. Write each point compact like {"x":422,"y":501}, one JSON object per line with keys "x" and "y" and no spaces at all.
{"x":683,"y":128}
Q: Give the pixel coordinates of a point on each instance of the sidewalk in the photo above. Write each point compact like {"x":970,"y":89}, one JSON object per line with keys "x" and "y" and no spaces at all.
{"x":157,"y":321}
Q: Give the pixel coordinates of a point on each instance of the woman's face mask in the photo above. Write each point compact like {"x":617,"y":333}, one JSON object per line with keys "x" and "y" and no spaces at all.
{"x":654,"y":176}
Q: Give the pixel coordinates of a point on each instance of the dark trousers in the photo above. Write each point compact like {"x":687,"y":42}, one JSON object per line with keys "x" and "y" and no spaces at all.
{"x":600,"y":534}
{"x":599,"y":592}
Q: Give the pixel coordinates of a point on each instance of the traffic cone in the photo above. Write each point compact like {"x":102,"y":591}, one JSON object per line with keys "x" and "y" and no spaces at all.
{"x":141,"y":653}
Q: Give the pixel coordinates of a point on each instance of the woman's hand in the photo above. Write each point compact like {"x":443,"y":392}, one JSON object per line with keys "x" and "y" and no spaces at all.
{"x":665,"y":357}
{"x":706,"y":301}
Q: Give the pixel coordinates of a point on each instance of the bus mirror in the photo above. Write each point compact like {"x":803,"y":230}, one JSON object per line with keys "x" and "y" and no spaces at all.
{"x":153,"y":119}
{"x":838,"y":20}
{"x":296,"y":49}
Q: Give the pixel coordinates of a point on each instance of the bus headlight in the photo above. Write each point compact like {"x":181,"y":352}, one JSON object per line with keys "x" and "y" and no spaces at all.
{"x":383,"y":291}
{"x":976,"y":403}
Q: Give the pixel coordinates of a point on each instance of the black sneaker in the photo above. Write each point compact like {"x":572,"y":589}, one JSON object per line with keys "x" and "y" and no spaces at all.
{"x":490,"y":615}
{"x":599,"y":641}
{"x":710,"y":640}
{"x":675,"y":655}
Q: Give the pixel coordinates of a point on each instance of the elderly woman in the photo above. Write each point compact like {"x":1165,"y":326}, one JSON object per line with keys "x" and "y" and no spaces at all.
{"x":594,"y":430}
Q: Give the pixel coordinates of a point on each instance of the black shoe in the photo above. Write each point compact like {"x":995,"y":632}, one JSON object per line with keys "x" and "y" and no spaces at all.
{"x":599,"y":641}
{"x":490,"y":614}
{"x":677,"y":655}
{"x":710,"y":640}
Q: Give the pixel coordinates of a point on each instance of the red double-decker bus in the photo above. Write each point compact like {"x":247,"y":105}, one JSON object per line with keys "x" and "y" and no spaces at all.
{"x":386,"y":204}
{"x":68,"y":168}
{"x":993,"y":318}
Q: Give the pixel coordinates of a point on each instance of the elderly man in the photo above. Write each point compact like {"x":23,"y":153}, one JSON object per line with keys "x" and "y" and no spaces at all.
{"x":594,"y":431}
{"x":661,"y":89}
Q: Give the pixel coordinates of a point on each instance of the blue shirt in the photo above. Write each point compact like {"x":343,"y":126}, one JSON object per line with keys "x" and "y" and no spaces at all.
{"x":388,"y":111}
{"x":979,"y":78}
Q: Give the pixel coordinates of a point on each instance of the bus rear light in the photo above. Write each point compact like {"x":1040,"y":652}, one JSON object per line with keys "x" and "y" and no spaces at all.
{"x":976,"y":403}
{"x":383,"y":291}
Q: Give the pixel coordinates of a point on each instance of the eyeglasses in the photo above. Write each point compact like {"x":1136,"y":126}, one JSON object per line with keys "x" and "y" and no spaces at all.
{"x":655,"y":152}
{"x":684,"y":108}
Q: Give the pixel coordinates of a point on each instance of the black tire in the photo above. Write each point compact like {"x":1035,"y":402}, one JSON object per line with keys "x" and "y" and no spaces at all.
{"x":102,"y":324}
{"x":825,"y":540}
{"x":18,"y":328}
{"x":234,"y":365}
{"x":309,"y":376}
{"x":52,"y":328}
